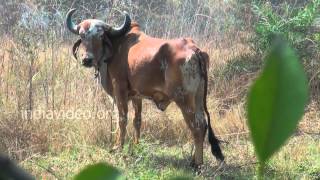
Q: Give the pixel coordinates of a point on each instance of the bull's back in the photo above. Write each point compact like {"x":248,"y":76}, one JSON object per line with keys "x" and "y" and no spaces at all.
{"x":163,"y":66}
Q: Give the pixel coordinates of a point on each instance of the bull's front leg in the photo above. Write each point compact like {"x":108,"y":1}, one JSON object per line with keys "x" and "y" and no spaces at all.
{"x":137,"y":104}
{"x":122,"y":104}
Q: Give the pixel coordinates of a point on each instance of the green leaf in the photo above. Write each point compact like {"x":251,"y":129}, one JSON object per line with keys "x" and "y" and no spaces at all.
{"x":276,"y":101}
{"x":99,"y":171}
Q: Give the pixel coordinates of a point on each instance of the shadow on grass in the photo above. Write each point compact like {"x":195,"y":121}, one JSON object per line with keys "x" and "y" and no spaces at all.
{"x":209,"y":170}
{"x":171,"y":161}
{"x":233,"y":171}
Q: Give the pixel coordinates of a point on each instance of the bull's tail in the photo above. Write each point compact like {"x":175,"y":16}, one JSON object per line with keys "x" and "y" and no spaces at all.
{"x":214,"y":142}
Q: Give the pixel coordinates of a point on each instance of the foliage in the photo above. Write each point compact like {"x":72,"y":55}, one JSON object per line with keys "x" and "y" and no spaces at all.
{"x":104,"y":171}
{"x":276,"y":101}
{"x":99,"y":171}
{"x":294,"y":23}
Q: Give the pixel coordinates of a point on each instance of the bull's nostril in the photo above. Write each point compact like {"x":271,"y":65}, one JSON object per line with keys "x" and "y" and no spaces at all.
{"x":87,"y":62}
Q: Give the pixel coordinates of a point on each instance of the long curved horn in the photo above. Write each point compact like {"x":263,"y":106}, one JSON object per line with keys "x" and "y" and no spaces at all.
{"x":70,"y":25}
{"x":124,"y":28}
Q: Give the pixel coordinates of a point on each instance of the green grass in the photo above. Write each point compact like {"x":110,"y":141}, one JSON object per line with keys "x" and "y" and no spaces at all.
{"x":299,"y":159}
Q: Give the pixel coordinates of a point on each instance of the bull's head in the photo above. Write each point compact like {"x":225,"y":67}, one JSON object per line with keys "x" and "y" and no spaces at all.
{"x":95,"y":38}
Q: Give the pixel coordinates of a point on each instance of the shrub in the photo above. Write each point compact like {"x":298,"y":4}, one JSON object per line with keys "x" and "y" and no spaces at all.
{"x":294,"y":22}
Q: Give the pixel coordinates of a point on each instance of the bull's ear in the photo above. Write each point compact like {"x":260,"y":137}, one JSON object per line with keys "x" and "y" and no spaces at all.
{"x":75,"y":48}
{"x":107,"y":40}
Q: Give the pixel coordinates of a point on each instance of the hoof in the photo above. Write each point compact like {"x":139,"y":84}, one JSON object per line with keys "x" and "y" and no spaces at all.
{"x":193,"y":164}
{"x":197,"y":168}
{"x":116,"y":148}
{"x":136,"y":141}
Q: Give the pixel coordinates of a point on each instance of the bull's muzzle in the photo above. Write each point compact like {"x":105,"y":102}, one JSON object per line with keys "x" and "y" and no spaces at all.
{"x":87,"y":62}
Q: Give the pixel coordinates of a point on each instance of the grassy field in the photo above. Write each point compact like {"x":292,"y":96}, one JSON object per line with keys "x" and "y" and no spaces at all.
{"x":299,"y":159}
{"x":165,"y":150}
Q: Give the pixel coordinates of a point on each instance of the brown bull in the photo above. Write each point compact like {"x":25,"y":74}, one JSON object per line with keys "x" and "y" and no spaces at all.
{"x":133,"y":65}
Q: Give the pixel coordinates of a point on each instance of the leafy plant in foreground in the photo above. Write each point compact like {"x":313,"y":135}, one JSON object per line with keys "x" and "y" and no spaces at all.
{"x":99,"y":171}
{"x":276,"y":101}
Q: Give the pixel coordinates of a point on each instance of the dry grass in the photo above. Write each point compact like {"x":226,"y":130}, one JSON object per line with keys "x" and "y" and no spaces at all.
{"x":231,"y":72}
{"x":61,"y":145}
{"x":75,"y":89}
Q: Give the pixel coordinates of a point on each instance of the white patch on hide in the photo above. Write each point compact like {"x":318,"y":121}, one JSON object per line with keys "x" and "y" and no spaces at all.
{"x":96,"y":28}
{"x":179,"y":93}
{"x":189,"y":110}
{"x":199,"y":119}
{"x":163,"y":65}
{"x":191,"y":74}
{"x":88,"y":55}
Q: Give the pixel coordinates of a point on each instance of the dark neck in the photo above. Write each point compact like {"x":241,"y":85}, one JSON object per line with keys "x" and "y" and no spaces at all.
{"x":105,"y":78}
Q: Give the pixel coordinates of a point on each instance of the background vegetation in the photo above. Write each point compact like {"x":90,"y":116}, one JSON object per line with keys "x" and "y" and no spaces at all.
{"x":37,"y":72}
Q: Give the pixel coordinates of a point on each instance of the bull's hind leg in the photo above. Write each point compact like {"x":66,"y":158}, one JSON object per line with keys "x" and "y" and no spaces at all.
{"x":137,"y":105}
{"x":196,"y":123}
{"x":200,"y":116}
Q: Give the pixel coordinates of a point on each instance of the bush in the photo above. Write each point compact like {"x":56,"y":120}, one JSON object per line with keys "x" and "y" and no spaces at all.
{"x":294,"y":22}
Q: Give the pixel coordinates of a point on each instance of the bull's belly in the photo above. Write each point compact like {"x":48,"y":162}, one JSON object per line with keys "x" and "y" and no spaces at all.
{"x":161,"y":100}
